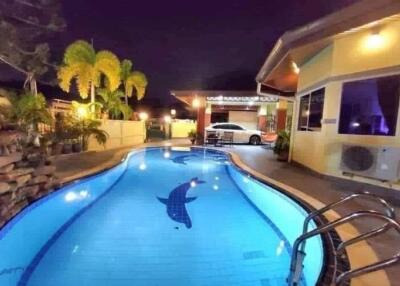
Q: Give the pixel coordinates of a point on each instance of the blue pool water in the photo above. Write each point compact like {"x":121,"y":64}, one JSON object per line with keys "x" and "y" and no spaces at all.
{"x":164,"y":216}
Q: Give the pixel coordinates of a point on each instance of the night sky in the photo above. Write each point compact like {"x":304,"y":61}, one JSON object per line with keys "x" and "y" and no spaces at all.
{"x":208,"y":44}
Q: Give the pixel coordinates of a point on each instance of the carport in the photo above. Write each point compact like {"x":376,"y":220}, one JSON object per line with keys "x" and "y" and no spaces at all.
{"x":246,"y":108}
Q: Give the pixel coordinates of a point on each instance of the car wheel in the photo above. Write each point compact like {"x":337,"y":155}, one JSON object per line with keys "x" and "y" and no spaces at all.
{"x":255,"y":140}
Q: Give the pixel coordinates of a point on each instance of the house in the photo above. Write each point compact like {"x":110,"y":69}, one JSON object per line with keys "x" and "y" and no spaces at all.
{"x":342,"y":73}
{"x":264,"y":112}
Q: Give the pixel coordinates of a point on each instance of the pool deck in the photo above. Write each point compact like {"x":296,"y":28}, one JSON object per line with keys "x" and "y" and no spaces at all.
{"x":325,"y":190}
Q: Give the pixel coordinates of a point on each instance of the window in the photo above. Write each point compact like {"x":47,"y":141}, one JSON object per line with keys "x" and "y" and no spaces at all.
{"x":311,"y":109}
{"x":370,"y":107}
{"x":234,"y":127}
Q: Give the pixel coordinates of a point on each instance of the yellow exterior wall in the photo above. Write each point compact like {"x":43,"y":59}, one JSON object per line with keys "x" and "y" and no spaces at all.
{"x":121,"y":133}
{"x":181,"y":129}
{"x":316,"y":69}
{"x":353,"y":53}
{"x":321,"y":151}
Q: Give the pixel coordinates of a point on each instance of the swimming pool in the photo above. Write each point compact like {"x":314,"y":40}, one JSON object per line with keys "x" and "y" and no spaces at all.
{"x":164,"y":216}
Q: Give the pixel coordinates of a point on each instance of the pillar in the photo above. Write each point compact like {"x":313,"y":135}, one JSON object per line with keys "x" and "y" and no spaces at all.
{"x":281,"y":112}
{"x":262,"y":118}
{"x":201,"y":118}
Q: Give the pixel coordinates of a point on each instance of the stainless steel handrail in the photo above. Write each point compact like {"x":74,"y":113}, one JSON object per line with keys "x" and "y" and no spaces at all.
{"x":388,"y":208}
{"x":293,"y":278}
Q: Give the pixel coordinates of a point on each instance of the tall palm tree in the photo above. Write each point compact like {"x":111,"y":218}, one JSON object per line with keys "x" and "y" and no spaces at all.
{"x":88,"y":68}
{"x":132,"y":79}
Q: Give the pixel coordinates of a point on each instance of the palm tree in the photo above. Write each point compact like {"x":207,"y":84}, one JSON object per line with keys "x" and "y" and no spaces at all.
{"x":89,"y":69}
{"x":112,"y":104}
{"x":132,"y":79}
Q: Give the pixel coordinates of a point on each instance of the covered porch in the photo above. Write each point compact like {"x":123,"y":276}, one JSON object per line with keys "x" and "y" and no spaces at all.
{"x":268,"y":113}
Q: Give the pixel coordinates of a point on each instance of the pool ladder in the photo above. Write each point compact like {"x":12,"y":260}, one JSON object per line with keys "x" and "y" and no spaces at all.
{"x":387,"y":218}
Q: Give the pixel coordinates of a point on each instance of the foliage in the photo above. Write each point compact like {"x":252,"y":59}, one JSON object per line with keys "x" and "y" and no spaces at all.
{"x":113,"y":105}
{"x":192,"y":134}
{"x":282,"y":142}
{"x":88,"y":128}
{"x":83,"y":64}
{"x":68,"y":127}
{"x":132,"y":80}
{"x":27,"y":111}
{"x":26,"y":27}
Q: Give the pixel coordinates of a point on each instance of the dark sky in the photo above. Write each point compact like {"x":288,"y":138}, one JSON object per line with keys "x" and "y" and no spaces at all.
{"x":208,"y":44}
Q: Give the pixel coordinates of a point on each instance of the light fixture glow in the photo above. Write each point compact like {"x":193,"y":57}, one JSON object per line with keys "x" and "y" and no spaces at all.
{"x":215,"y":187}
{"x":193,"y":184}
{"x":196,"y":103}
{"x":167,"y":154}
{"x":295,"y":68}
{"x":374,"y":41}
{"x":355,"y":124}
{"x":142,"y":166}
{"x":70,"y":196}
{"x":173,"y":112}
{"x":143,"y":116}
{"x":167,"y":119}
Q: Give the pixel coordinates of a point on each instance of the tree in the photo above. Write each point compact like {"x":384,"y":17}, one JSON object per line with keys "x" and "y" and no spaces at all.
{"x":112,"y":104}
{"x":132,"y":79}
{"x":89,"y":69}
{"x":25,"y":28}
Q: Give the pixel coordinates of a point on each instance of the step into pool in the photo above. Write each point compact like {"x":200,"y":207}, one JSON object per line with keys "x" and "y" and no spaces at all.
{"x":164,"y":216}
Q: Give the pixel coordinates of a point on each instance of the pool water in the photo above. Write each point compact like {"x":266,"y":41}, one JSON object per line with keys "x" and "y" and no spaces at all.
{"x":168,"y":217}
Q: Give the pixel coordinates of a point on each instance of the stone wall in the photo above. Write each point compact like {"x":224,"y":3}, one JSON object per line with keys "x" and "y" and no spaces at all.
{"x":25,"y":175}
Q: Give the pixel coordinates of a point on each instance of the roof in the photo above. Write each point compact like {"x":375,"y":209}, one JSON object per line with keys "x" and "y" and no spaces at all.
{"x":187,"y":96}
{"x":301,"y":44}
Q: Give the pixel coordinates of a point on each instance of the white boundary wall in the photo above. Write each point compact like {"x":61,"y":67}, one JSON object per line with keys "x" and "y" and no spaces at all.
{"x":121,"y":133}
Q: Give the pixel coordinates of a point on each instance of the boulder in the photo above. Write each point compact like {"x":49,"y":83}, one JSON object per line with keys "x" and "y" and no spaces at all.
{"x":4,"y":187}
{"x":7,"y":168}
{"x":13,"y":175}
{"x":22,"y":180}
{"x":38,"y":180}
{"x":12,"y":158}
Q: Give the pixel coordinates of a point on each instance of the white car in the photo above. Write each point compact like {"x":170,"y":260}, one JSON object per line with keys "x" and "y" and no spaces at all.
{"x":240,"y":134}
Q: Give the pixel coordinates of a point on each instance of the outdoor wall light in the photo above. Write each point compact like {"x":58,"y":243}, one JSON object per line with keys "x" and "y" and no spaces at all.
{"x":196,"y":103}
{"x":296,"y":69}
{"x":143,"y":116}
{"x":173,"y":112}
{"x":167,"y":119}
{"x":374,"y":41}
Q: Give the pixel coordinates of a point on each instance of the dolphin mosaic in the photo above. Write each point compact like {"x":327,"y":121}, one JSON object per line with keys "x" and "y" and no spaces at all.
{"x":177,"y":200}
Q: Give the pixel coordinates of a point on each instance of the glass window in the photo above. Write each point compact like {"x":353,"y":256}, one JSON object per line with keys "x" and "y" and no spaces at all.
{"x":370,"y":107}
{"x":235,"y":127}
{"x":303,"y":112}
{"x":311,"y":109}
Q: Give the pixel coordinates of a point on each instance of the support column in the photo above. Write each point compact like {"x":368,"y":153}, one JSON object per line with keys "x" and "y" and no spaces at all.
{"x":201,"y":118}
{"x":262,"y":118}
{"x":281,"y":112}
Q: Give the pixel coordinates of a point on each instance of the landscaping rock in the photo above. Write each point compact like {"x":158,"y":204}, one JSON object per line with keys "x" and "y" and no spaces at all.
{"x":4,"y":187}
{"x":7,"y":168}
{"x":12,"y":158}
{"x":30,"y":191}
{"x":38,"y":180}
{"x":13,"y":175}
{"x":22,"y":180}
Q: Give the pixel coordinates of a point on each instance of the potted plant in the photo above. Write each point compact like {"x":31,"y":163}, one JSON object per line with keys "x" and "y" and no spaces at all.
{"x":192,"y":136}
{"x":282,"y":145}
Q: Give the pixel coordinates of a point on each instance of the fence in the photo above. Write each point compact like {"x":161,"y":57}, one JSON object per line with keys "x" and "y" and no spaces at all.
{"x":121,"y":133}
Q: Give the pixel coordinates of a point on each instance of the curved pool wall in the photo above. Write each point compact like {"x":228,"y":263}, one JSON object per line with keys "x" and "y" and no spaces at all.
{"x":21,"y":247}
{"x":287,"y":216}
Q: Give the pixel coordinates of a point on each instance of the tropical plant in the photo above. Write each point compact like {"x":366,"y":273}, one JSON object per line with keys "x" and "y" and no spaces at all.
{"x":27,"y":111}
{"x":70,"y":128}
{"x":113,"y":105}
{"x":88,"y":128}
{"x":89,"y":69}
{"x":282,"y":144}
{"x":132,"y":80}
